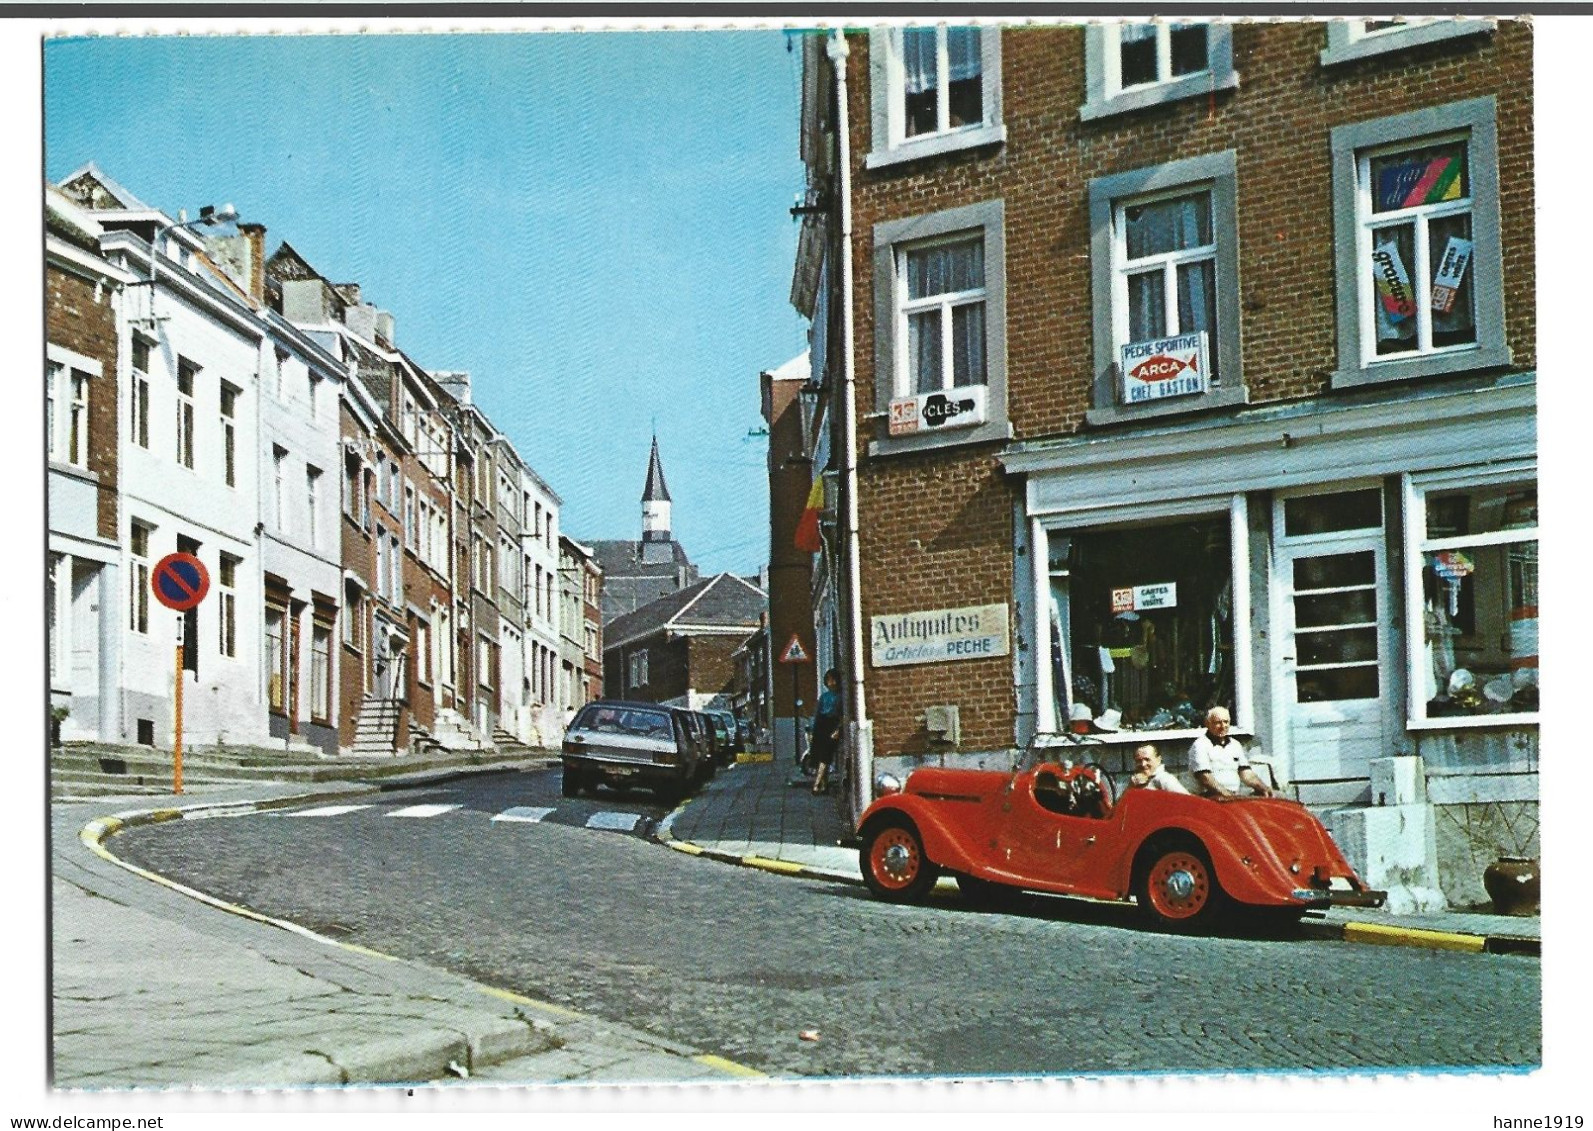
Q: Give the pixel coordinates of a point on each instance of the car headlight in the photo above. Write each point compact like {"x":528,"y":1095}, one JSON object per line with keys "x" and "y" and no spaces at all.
{"x":887,"y":783}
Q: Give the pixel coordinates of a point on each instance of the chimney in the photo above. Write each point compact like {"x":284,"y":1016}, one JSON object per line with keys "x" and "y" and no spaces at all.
{"x":255,"y":235}
{"x":384,"y":326}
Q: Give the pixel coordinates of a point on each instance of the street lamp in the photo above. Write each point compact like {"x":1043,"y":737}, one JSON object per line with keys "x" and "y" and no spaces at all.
{"x":209,"y":216}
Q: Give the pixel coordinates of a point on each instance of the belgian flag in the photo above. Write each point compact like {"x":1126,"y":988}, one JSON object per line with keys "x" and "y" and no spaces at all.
{"x":807,"y":531}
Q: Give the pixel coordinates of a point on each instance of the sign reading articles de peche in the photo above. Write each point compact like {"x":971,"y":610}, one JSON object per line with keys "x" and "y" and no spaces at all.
{"x":937,"y":635}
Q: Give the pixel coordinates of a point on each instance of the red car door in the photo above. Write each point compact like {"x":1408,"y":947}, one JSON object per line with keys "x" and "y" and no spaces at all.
{"x":1045,"y":844}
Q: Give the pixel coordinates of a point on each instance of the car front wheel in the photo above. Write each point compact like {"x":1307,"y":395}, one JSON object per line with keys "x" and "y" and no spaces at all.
{"x":894,"y":865}
{"x":1177,"y":888}
{"x":573,"y":783}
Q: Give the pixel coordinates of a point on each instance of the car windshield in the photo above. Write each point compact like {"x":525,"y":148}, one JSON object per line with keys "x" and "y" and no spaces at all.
{"x":1058,"y":747}
{"x":626,"y":720}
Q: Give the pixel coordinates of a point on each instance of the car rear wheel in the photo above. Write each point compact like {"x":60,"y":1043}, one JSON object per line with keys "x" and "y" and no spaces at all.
{"x":894,"y":865}
{"x":1177,"y":888}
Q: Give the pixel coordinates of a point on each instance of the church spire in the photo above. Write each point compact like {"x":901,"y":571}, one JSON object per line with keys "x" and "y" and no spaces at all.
{"x":655,"y":501}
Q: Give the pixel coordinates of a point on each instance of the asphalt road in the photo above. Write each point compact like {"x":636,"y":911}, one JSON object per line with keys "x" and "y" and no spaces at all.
{"x":567,"y":900}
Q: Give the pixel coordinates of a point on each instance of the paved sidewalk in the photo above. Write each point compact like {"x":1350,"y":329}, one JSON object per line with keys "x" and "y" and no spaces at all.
{"x":154,"y":988}
{"x":753,"y":815}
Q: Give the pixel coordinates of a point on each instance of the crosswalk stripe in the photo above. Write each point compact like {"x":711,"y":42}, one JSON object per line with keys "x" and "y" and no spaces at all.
{"x":624,"y":822}
{"x":421,"y":810}
{"x":328,"y":811}
{"x":527,"y":813}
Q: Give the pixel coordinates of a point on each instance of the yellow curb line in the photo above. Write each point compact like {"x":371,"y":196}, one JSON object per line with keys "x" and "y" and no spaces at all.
{"x":1412,"y":936}
{"x":545,"y":1006}
{"x":730,"y":1066}
{"x":749,"y":759}
{"x":683,"y":846}
{"x":768,"y":865}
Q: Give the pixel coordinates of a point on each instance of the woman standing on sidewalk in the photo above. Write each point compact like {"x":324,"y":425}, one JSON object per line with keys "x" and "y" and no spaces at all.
{"x":826,"y":730}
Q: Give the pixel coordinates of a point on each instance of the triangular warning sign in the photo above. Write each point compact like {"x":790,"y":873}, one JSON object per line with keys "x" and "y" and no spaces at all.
{"x":794,"y":652}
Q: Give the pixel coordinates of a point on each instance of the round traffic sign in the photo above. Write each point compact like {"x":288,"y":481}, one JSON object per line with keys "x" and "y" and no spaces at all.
{"x":180,"y":581}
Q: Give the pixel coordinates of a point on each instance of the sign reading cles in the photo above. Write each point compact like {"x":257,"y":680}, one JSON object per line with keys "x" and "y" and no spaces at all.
{"x":180,"y":581}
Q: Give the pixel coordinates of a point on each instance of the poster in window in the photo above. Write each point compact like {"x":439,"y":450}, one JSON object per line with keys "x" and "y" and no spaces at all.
{"x":1165,"y":367}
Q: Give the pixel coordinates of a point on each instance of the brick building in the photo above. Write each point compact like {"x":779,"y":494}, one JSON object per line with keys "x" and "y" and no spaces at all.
{"x":1193,"y":364}
{"x":580,"y":626}
{"x":679,"y":648}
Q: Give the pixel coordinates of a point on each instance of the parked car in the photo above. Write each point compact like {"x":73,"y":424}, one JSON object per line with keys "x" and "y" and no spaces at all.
{"x":1053,"y":826}
{"x":622,"y":743}
{"x":702,"y":732}
{"x":724,"y":724}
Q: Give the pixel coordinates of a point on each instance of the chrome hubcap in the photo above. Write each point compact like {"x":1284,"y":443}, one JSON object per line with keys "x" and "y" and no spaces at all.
{"x":897,"y":859}
{"x":1180,"y":884}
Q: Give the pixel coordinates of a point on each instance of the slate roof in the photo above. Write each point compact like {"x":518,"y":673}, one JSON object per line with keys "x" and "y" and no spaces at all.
{"x":718,"y":602}
{"x":656,"y":489}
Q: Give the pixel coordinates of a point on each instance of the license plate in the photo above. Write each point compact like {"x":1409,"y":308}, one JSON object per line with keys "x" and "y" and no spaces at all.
{"x":620,"y":772}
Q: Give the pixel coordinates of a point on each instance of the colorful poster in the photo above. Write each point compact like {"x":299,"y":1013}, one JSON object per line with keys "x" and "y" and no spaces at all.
{"x":1451,"y":270}
{"x":1395,"y":297}
{"x":1419,"y":181}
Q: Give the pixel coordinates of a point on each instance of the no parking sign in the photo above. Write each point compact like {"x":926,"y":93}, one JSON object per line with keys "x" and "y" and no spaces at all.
{"x":180,"y":582}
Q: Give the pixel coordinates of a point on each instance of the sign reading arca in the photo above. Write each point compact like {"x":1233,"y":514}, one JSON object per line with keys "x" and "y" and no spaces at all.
{"x":1165,"y":367}
{"x":938,"y":635}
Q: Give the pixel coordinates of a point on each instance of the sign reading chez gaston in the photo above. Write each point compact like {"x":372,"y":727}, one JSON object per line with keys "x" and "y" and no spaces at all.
{"x":937,"y":635}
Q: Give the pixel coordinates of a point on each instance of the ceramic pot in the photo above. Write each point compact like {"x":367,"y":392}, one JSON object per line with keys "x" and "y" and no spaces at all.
{"x":1512,"y":884}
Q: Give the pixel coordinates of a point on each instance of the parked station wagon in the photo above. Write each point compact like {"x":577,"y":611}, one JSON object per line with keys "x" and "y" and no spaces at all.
{"x":621,"y":743}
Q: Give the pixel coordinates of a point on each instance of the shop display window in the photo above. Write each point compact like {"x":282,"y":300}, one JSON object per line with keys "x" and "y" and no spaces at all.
{"x":1142,"y":628}
{"x":1479,"y":587}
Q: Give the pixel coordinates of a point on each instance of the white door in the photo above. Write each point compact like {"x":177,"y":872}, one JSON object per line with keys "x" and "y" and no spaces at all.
{"x":1332,"y":588}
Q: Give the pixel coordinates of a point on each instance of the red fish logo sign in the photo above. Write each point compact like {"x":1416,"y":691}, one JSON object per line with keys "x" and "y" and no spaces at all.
{"x":1163,"y":368}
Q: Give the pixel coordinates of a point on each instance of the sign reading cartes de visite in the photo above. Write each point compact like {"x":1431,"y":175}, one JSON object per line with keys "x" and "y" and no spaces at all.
{"x":937,"y":635}
{"x":1165,"y":367}
{"x":1141,"y":598}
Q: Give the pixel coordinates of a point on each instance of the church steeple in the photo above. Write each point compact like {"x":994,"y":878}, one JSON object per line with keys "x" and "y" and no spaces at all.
{"x":655,"y":501}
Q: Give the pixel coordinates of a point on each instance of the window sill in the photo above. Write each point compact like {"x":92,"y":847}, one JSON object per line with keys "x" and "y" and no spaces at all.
{"x":1172,"y":406}
{"x":953,"y":141}
{"x":1159,"y":94}
{"x":353,"y":648}
{"x":1425,"y":365}
{"x":1475,"y":722}
{"x":1387,"y":43}
{"x":76,"y":471}
{"x":995,"y":431}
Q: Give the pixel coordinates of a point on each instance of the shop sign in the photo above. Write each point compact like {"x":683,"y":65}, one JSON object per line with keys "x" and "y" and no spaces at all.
{"x":961,"y":407}
{"x":937,"y":635}
{"x":1452,"y":565}
{"x":1451,"y":270}
{"x":1144,"y":598}
{"x":1165,"y":367}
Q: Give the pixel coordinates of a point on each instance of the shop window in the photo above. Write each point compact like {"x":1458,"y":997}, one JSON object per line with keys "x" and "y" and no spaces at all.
{"x":1135,"y":66}
{"x":321,"y":671}
{"x":940,"y":302}
{"x":1164,"y":266}
{"x":1416,"y":233}
{"x":1142,"y":626}
{"x":934,"y":90}
{"x":1349,"y":40}
{"x":276,"y":658}
{"x":1479,"y":602}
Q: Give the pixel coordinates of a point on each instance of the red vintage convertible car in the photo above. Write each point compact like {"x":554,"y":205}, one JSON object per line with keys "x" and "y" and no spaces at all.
{"x":1053,"y":826}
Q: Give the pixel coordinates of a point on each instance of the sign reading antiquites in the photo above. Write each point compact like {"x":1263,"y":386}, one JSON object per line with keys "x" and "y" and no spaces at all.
{"x":936,"y":635}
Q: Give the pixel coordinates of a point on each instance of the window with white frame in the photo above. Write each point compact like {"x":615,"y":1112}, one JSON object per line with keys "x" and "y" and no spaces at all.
{"x":138,"y":394}
{"x":638,"y":669}
{"x":1131,"y":66}
{"x":940,"y":302}
{"x":138,"y":577}
{"x":395,"y":562}
{"x":312,"y":504}
{"x":411,"y":518}
{"x":933,"y":90}
{"x":1141,"y":622}
{"x":276,"y":658}
{"x":315,"y":396}
{"x":1417,"y":244}
{"x":227,"y":589}
{"x":279,"y":487}
{"x":1349,"y":40}
{"x":186,"y":372}
{"x":320,"y":671}
{"x":381,"y":563}
{"x":1478,"y":598}
{"x":353,"y":614}
{"x":66,"y":413}
{"x":229,"y":434}
{"x":1164,"y":265}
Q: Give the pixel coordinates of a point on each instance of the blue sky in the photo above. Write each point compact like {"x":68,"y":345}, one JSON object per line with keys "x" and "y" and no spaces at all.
{"x":594,"y":225}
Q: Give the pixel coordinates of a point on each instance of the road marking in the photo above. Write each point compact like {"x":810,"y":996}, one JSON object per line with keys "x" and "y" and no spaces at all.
{"x":623,"y":822}
{"x":328,"y":811}
{"x":421,"y":810}
{"x":527,"y":813}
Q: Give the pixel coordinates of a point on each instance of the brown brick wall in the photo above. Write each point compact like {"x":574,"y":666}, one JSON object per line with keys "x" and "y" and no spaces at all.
{"x":74,"y":320}
{"x":713,"y":672}
{"x":937,"y":530}
{"x":790,"y":569}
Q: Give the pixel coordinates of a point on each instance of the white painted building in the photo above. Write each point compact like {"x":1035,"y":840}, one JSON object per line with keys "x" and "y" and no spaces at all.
{"x":540,"y":550}
{"x":191,"y":356}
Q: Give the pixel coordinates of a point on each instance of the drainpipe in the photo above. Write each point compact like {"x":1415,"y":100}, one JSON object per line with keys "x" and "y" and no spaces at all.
{"x":861,"y":732}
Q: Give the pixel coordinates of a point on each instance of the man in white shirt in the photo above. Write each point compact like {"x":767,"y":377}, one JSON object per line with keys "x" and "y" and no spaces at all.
{"x":1218,"y":762}
{"x":1151,"y":774}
